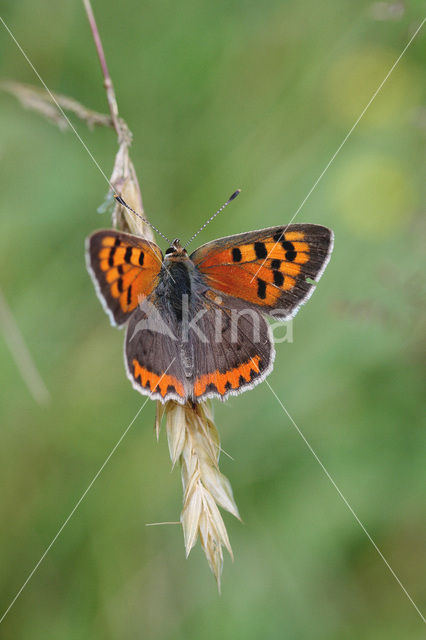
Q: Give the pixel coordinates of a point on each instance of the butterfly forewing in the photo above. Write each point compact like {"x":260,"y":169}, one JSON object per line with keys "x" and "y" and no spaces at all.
{"x":270,"y":269}
{"x":124,"y":268}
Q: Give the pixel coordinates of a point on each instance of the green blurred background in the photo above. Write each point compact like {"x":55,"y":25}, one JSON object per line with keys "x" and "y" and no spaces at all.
{"x":218,"y":95}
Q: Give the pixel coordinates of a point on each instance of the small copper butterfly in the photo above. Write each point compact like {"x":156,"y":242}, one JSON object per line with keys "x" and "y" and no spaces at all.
{"x":196,"y":325}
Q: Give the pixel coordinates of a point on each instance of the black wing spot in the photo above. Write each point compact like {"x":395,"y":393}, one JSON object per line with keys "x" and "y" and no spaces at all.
{"x":120,"y":269}
{"x":275,"y":264}
{"x":289,"y":249}
{"x":129,"y":295}
{"x":111,"y":256}
{"x":253,"y":373}
{"x":236,"y":254}
{"x":278,"y":278}
{"x":278,"y":236}
{"x":211,"y":387}
{"x":128,"y":255}
{"x":120,"y":284}
{"x":141,"y":257}
{"x":260,"y":250}
{"x":228,"y":386}
{"x":261,"y":288}
{"x":171,"y":389}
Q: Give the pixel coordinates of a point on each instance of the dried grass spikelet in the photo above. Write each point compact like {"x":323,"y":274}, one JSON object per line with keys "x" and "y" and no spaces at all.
{"x":194,"y":440}
{"x":192,"y":435}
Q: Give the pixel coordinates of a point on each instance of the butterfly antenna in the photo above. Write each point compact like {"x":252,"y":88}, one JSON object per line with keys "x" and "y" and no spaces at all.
{"x":230,"y":199}
{"x":124,"y":204}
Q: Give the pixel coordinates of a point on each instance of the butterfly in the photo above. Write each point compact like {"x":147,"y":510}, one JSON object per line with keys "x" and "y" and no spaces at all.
{"x":196,"y":324}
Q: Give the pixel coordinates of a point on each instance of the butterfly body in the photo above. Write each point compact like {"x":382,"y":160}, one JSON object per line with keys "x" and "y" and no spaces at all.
{"x":196,"y":325}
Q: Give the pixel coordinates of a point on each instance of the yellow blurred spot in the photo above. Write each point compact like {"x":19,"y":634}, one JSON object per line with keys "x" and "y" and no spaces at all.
{"x":374,"y":193}
{"x":354,"y":78}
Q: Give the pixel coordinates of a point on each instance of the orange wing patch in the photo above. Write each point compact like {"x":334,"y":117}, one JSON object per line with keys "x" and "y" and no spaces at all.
{"x":162,"y":384}
{"x":122,"y":265}
{"x":125,"y":268}
{"x":263,"y":269}
{"x":228,"y":380}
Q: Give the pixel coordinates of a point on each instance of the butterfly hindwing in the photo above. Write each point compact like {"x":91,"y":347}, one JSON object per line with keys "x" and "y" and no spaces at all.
{"x":152,"y":355}
{"x":232,"y":351}
{"x":124,"y":269}
{"x":271,"y":269}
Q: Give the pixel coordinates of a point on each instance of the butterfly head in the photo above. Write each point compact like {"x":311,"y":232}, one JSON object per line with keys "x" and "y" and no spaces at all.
{"x":175,"y":250}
